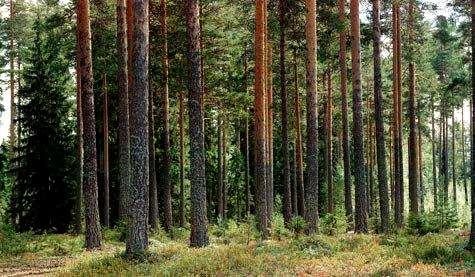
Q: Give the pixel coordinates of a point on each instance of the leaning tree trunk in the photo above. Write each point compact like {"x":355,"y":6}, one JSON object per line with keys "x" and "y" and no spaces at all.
{"x":90,"y":190}
{"x":105,"y":131}
{"x":123,"y":110}
{"x":259,"y":118}
{"x":311,"y":181}
{"x":165,"y":181}
{"x":199,"y":221}
{"x":137,"y":241}
{"x":344,"y":111}
{"x":287,"y":197}
{"x":361,"y":215}
{"x":412,"y":144}
{"x":379,"y":120}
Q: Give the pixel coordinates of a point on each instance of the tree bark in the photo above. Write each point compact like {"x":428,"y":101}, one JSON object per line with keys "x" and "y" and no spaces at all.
{"x":329,"y":142}
{"x":287,"y":197}
{"x":269,"y":133}
{"x":80,"y":148}
{"x":464,"y":162}
{"x":434,"y":155}
{"x":412,"y":144}
{"x":13,"y":105}
{"x":445,"y":160}
{"x":105,"y":131}
{"x":123,"y":111}
{"x":220,"y":169}
{"x":471,"y":243}
{"x":311,"y":181}
{"x":379,"y":120}
{"x":199,"y":221}
{"x":137,"y":241}
{"x":361,"y":215}
{"x":344,"y":111}
{"x":182,"y":159}
{"x":152,"y":185}
{"x":454,"y":160}
{"x":165,"y":181}
{"x":421,"y":173}
{"x":298,"y":146}
{"x":259,"y":118}
{"x":246,"y":151}
{"x":90,"y":190}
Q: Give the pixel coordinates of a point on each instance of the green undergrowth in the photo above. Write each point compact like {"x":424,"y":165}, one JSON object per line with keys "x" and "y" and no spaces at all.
{"x":235,"y":249}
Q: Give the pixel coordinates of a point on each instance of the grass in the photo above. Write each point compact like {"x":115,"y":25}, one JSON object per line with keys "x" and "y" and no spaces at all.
{"x":236,"y":250}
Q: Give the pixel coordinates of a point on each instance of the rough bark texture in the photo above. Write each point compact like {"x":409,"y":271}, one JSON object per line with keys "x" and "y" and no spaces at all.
{"x":311,"y":171}
{"x":259,"y":118}
{"x":298,"y":146}
{"x":471,"y":243}
{"x":454,"y":160}
{"x":464,"y":162}
{"x":78,"y":207}
{"x":164,"y":168}
{"x":152,"y":179}
{"x":329,"y":142}
{"x":13,"y":106}
{"x":379,"y":120}
{"x":199,"y":221}
{"x":361,"y":215}
{"x":246,"y":150}
{"x":419,"y":156}
{"x":269,"y":133}
{"x":220,"y":169}
{"x":287,"y":197}
{"x":445,"y":159}
{"x":434,"y":155}
{"x":137,"y":241}
{"x":412,"y":144}
{"x":123,"y":111}
{"x":182,"y":160}
{"x":93,"y":231}
{"x":105,"y":132}
{"x":344,"y":111}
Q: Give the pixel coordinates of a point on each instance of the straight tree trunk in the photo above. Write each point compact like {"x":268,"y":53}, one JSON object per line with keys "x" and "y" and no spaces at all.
{"x":90,"y":190}
{"x":465,"y":189}
{"x":152,"y":185}
{"x":344,"y":112}
{"x":445,"y":160}
{"x":454,"y":160}
{"x":123,"y":111}
{"x":293,"y":166}
{"x":182,"y":160}
{"x":434,"y":155}
{"x":259,"y":117}
{"x":137,"y":241}
{"x":105,"y":131}
{"x":311,"y":181}
{"x":199,"y":221}
{"x":246,"y":151}
{"x":13,"y":106}
{"x":287,"y":197}
{"x":298,"y":146}
{"x":270,"y":132}
{"x":220,"y":169}
{"x":391,"y":167}
{"x":379,"y":120}
{"x":225,"y":183}
{"x":165,"y":181}
{"x":471,"y":243}
{"x":421,"y":174}
{"x":361,"y":215}
{"x":329,"y":140}
{"x":80,"y":148}
{"x":412,"y":144}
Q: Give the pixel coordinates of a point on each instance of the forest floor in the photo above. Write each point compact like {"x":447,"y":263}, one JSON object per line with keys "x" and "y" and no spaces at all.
{"x":236,"y":250}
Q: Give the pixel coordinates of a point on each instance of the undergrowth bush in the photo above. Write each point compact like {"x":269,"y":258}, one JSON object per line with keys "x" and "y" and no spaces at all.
{"x":12,"y":243}
{"x":335,"y":223}
{"x":443,"y":218}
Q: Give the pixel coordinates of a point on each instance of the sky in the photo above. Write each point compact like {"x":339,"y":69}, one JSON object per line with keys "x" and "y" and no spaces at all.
{"x":442,"y":9}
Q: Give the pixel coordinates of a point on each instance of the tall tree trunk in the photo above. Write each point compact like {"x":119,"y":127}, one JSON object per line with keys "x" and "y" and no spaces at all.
{"x":412,"y":144}
{"x":391,"y":166}
{"x":298,"y":146}
{"x":293,"y":182}
{"x":152,"y":185}
{"x":361,"y":215}
{"x":78,"y":213}
{"x":259,"y":117}
{"x":311,"y":181}
{"x":287,"y":197}
{"x":454,"y":160}
{"x":270,"y":133}
{"x":464,"y":163}
{"x":220,"y":169}
{"x":379,"y":120}
{"x":471,"y":243}
{"x":165,"y":182}
{"x":397,"y":121}
{"x":445,"y":159}
{"x":344,"y":112}
{"x":421,"y":173}
{"x":90,"y":190}
{"x":13,"y":106}
{"x":105,"y":131}
{"x":199,"y":221}
{"x":329,"y":142}
{"x":123,"y":111}
{"x":225,"y":180}
{"x":182,"y":159}
{"x":434,"y":155}
{"x":137,"y":241}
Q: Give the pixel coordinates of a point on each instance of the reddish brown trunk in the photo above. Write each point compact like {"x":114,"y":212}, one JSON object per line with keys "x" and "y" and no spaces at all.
{"x":329,"y":142}
{"x":298,"y":146}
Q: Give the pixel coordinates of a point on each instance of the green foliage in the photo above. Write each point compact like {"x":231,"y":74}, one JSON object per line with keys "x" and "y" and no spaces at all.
{"x":434,"y":221}
{"x":336,"y":223}
{"x":297,"y":225}
{"x":11,"y":243}
{"x":279,"y":231}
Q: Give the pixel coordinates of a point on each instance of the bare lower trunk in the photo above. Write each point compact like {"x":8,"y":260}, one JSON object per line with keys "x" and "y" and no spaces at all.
{"x":298,"y":147}
{"x":329,"y":141}
{"x":454,"y":161}
{"x":182,"y":160}
{"x":105,"y":131}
